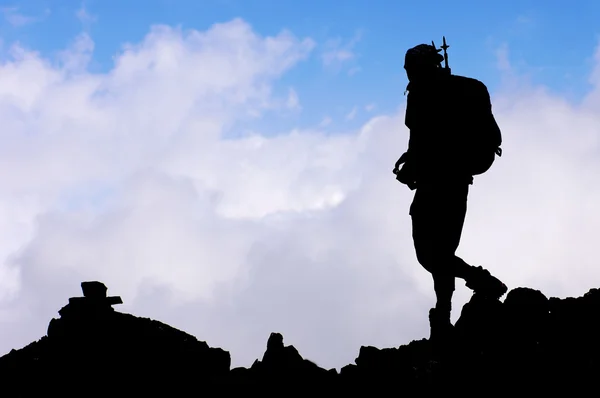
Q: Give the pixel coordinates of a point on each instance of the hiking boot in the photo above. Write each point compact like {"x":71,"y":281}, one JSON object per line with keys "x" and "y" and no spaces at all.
{"x":442,"y":337}
{"x":440,"y":325}
{"x":482,"y":282}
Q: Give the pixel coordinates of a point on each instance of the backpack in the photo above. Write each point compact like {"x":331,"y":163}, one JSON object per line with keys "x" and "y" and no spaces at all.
{"x":480,"y":137}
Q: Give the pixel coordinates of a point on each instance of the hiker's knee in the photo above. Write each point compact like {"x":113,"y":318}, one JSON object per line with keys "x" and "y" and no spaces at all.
{"x":431,"y":259}
{"x":424,"y":259}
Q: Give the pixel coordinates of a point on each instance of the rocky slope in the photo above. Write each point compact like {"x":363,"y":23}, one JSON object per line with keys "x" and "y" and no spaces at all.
{"x":528,"y":341}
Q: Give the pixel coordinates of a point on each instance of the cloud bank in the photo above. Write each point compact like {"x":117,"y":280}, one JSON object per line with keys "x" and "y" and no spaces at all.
{"x":127,"y":177}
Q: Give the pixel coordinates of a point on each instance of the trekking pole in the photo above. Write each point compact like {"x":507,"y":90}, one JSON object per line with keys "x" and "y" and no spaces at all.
{"x":445,"y":47}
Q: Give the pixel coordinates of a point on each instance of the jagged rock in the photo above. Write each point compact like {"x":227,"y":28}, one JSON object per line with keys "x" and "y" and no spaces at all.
{"x":91,"y":341}
{"x":527,"y":342}
{"x":526,"y":320}
{"x":281,"y":363}
{"x":480,"y":324}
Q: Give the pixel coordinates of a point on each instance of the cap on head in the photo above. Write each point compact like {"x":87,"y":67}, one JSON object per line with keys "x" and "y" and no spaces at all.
{"x":423,"y":55}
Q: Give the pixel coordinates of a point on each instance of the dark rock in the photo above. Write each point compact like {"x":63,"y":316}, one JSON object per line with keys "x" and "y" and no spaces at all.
{"x":526,"y":343}
{"x":284,"y":363}
{"x":91,"y":341}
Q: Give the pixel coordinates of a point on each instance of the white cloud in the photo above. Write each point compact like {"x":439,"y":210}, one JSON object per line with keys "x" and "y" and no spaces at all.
{"x":18,"y":19}
{"x":325,"y":122}
{"x":338,"y":55}
{"x":84,"y":16}
{"x":293,"y":102}
{"x":370,"y":107}
{"x":125,"y":177}
{"x":502,"y":58}
{"x":352,"y":113}
{"x":354,"y":70}
{"x":336,"y":52}
{"x":76,"y":58}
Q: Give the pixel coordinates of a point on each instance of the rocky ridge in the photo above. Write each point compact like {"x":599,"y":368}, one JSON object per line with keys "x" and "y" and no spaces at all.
{"x":526,"y":341}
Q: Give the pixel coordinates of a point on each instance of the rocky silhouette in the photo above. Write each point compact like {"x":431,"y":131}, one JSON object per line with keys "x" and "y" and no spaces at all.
{"x":527,"y":343}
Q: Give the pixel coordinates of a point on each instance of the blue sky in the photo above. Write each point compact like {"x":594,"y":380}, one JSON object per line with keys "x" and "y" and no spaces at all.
{"x":547,"y":41}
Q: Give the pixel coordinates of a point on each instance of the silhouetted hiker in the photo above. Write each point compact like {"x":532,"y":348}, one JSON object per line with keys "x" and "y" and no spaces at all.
{"x":453,"y":136}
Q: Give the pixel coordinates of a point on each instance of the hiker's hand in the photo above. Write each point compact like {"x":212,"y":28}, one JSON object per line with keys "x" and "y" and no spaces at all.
{"x":405,"y":176}
{"x":400,"y":161}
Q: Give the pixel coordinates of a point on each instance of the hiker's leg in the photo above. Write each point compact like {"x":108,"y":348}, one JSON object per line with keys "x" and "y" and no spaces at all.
{"x":426,"y":242}
{"x":451,"y":225}
{"x":444,"y":286}
{"x":451,"y":222}
{"x":438,"y":215}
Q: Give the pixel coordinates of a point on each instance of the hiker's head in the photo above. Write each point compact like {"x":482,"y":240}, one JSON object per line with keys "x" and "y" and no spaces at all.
{"x":422,"y":62}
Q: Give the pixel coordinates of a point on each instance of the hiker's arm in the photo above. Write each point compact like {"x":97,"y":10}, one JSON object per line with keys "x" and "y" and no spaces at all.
{"x":406,"y":156}
{"x":411,"y":150}
{"x":413,"y":139}
{"x":412,"y":132}
{"x":406,"y":174}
